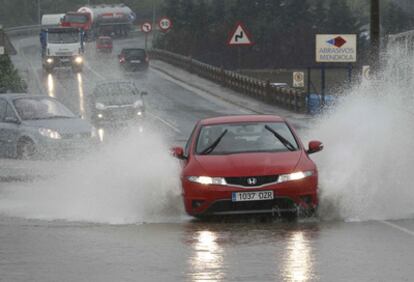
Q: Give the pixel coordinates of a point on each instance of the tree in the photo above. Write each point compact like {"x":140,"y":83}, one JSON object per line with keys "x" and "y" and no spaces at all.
{"x":9,"y":77}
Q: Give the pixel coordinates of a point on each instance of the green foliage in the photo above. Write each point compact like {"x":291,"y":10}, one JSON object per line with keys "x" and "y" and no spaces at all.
{"x":9,"y":77}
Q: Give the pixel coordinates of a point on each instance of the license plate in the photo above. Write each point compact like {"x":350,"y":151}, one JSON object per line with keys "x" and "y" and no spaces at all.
{"x":252,"y":196}
{"x":64,"y":60}
{"x":135,"y":61}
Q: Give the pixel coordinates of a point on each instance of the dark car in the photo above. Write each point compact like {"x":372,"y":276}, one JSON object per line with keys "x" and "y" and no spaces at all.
{"x":133,"y":59}
{"x":117,"y":102}
{"x":252,"y":164}
{"x":40,"y":126}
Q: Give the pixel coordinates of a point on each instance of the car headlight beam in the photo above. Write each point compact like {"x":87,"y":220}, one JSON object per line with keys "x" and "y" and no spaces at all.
{"x":100,"y":106}
{"x":206,"y":180}
{"x":78,"y":60}
{"x":50,"y":133}
{"x":294,"y":176}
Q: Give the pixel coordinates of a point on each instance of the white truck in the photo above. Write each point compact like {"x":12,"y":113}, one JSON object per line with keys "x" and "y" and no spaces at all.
{"x":62,"y":47}
{"x":51,"y":20}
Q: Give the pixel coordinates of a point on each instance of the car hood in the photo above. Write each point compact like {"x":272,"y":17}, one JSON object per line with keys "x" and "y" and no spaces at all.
{"x":249,"y":164}
{"x":61,"y":125}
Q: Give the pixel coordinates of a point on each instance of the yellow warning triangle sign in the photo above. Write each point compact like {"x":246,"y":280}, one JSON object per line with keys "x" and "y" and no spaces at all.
{"x":240,"y":36}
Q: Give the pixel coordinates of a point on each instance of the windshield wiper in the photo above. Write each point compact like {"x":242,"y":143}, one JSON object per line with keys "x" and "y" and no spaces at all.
{"x":282,"y":139}
{"x":213,"y":145}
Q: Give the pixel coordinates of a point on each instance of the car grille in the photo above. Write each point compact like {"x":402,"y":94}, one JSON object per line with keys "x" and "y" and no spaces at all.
{"x":76,"y":135}
{"x":252,"y":181}
{"x":121,"y":113}
{"x":64,"y":54}
{"x":277,"y":204}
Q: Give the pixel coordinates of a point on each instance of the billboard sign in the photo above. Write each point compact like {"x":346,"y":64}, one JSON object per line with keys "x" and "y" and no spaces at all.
{"x":336,"y":48}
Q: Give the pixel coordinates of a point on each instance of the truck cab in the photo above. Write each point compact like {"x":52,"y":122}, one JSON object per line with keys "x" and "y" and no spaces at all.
{"x":62,"y":47}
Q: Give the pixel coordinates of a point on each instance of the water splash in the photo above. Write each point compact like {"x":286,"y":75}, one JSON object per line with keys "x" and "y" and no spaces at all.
{"x":131,"y":180}
{"x":365,"y":168}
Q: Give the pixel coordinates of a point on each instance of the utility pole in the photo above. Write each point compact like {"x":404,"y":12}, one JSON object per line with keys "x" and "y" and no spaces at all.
{"x":375,"y":34}
{"x":38,"y":12}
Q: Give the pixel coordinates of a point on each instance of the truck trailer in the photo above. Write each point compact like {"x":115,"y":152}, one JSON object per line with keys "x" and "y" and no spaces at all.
{"x":102,"y":20}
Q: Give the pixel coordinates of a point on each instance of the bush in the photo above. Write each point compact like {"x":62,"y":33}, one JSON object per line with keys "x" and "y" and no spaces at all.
{"x":10,"y":81}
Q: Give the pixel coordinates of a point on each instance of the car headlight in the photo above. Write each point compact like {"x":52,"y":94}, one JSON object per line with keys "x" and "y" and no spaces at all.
{"x":294,"y":176}
{"x":100,"y":106}
{"x":49,"y":60}
{"x":138,"y":104}
{"x":78,"y":60}
{"x":206,"y":180}
{"x":50,"y":133}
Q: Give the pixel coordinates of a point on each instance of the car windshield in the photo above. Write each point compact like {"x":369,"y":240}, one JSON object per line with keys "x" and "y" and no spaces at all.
{"x":63,"y":37}
{"x":134,"y":53}
{"x":116,"y":94}
{"x":246,"y":137}
{"x":41,"y":108}
{"x":76,"y":19}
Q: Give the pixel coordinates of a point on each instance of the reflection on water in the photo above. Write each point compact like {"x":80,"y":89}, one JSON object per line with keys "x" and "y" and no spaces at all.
{"x":207,"y":261}
{"x":101,"y":134}
{"x":299,"y":263}
{"x":50,"y":85}
{"x":81,"y":95}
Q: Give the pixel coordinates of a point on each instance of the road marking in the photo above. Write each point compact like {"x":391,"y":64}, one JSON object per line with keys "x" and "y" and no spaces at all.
{"x":405,"y":230}
{"x":165,"y":122}
{"x":39,"y":83}
{"x":94,"y":72}
{"x":200,"y":92}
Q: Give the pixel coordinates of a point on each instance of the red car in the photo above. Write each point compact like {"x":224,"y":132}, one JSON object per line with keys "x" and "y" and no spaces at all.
{"x":104,"y":44}
{"x":250,"y":164}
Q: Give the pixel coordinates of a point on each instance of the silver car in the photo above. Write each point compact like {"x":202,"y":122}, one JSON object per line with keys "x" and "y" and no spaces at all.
{"x":35,"y":125}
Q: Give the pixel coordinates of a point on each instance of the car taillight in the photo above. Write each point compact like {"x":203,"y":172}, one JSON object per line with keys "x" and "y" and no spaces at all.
{"x":147,"y":59}
{"x":122,"y":60}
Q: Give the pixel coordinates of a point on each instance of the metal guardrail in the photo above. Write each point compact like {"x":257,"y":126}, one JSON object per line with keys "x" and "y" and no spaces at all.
{"x":22,"y":30}
{"x":289,"y":98}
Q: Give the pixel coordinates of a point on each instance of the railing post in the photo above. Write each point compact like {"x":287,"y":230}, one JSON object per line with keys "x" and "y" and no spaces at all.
{"x":268,"y":92}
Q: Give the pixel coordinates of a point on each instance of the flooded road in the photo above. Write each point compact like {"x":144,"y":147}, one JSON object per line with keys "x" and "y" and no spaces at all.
{"x":195,"y":251}
{"x":118,"y":216}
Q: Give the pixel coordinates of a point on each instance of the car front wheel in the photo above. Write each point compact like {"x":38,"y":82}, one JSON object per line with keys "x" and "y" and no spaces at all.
{"x":26,"y":149}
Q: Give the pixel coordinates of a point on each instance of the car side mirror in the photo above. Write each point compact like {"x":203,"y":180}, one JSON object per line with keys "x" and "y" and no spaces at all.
{"x":315,"y":146}
{"x":11,"y":120}
{"x":178,"y":152}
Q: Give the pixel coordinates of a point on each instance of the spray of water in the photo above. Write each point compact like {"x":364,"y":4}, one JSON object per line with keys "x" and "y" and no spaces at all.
{"x":366,"y":166}
{"x":131,"y":180}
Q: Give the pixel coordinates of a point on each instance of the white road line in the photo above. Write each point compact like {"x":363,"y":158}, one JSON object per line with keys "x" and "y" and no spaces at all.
{"x":94,"y":72}
{"x":165,"y":122}
{"x":198,"y":91}
{"x":32,"y":68}
{"x":405,"y":230}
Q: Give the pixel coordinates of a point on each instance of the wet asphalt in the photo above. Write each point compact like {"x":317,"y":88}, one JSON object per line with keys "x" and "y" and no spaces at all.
{"x":252,"y":249}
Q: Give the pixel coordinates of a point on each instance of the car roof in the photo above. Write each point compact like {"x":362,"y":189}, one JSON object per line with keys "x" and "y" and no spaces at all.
{"x":241,"y":118}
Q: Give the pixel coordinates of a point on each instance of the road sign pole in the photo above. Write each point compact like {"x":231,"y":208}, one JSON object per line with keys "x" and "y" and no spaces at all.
{"x":350,"y":74}
{"x":146,"y":40}
{"x":239,"y":57}
{"x":323,"y":84}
